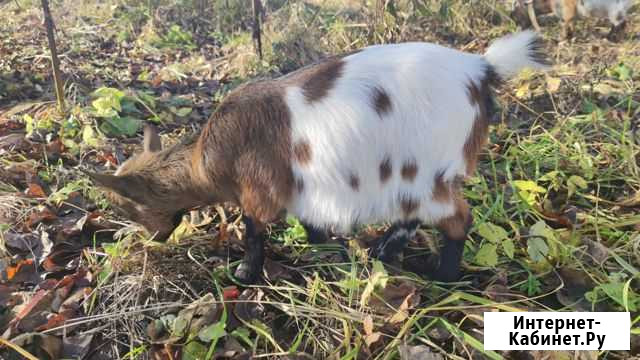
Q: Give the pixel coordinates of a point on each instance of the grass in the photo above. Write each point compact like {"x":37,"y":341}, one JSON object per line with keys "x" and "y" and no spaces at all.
{"x":555,"y":199}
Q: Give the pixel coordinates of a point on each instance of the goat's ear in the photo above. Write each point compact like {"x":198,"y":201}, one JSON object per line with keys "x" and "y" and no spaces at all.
{"x":129,"y":186}
{"x":152,"y":141}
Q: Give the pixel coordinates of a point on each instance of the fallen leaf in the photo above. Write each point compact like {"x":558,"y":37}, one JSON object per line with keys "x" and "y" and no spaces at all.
{"x":41,"y":345}
{"x":395,"y":300}
{"x":60,"y":256}
{"x":576,"y":284}
{"x":33,"y":314}
{"x":367,"y":324}
{"x":44,"y":214}
{"x":24,"y":271}
{"x":372,"y":338}
{"x":35,"y":191}
{"x":553,"y":84}
{"x":230,"y":293}
{"x":419,"y":352}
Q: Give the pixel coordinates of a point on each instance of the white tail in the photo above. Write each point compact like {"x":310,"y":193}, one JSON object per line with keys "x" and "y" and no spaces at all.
{"x":510,"y":54}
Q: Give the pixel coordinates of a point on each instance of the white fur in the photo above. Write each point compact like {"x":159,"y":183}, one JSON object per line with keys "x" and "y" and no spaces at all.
{"x":507,"y":55}
{"x":429,"y":121}
{"x":610,"y":9}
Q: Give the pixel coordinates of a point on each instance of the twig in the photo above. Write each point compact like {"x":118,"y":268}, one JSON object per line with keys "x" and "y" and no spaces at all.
{"x":55,"y":62}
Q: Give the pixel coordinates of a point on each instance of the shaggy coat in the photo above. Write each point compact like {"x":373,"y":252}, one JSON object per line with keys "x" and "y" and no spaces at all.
{"x":385,"y":134}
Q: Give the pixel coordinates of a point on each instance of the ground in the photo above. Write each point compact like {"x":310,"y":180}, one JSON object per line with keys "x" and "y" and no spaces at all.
{"x":555,"y":199}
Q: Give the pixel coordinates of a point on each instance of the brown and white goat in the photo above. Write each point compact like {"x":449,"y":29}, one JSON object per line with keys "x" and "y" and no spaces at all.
{"x":525,"y":13}
{"x":385,"y":134}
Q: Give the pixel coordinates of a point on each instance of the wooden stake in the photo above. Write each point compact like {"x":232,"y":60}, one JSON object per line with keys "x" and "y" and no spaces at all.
{"x":55,"y":62}
{"x":257,"y":33}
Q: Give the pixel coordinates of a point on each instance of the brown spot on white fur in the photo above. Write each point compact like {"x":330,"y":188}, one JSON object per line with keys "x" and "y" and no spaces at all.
{"x":381,"y":101}
{"x":385,"y":169}
{"x":441,"y":189}
{"x":479,"y":96}
{"x":302,"y":152}
{"x":318,"y":79}
{"x":354,"y":182}
{"x":409,"y":170}
{"x":409,"y":205}
{"x":455,"y":227}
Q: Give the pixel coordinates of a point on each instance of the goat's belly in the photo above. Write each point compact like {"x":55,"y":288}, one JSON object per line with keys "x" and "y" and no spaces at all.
{"x":341,"y":200}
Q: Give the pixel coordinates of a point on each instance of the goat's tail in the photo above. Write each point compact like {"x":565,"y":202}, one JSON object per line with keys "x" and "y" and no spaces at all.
{"x":510,"y":54}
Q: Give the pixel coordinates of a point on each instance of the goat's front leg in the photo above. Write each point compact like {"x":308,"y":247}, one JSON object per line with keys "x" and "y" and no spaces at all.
{"x":251,"y":266}
{"x":454,"y":231}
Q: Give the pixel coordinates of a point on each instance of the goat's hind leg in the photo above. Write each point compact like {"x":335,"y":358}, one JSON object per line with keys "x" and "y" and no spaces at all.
{"x":454,"y":231}
{"x":394,"y":240}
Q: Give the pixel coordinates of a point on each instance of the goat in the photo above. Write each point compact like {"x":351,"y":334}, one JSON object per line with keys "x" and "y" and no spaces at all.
{"x":525,"y":11}
{"x":386,"y":133}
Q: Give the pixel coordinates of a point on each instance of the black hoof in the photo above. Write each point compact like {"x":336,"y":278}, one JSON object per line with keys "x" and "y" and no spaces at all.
{"x":245,"y":274}
{"x":446,"y":275}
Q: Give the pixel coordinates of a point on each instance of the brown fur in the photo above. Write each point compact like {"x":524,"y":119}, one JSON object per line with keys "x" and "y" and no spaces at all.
{"x":480,"y":96}
{"x":409,"y":205}
{"x":381,"y":101}
{"x":225,"y":162}
{"x":354,"y":182}
{"x":385,"y":169}
{"x":302,"y":152}
{"x":316,"y":80}
{"x":409,"y":170}
{"x":441,"y":189}
{"x":456,"y":226}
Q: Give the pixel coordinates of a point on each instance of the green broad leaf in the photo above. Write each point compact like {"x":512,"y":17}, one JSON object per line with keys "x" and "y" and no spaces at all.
{"x":179,"y":326}
{"x":29,"y":123}
{"x":108,"y":92}
{"x":622,"y":72}
{"x":129,"y":106}
{"x":106,"y":107}
{"x":243,"y":334}
{"x":117,"y":126}
{"x":147,"y":98}
{"x":541,"y":229}
{"x":529,"y":186}
{"x":537,"y":249}
{"x":89,"y":136}
{"x":492,"y":232}
{"x":378,"y":279}
{"x":212,"y":332}
{"x":487,"y":255}
{"x":576,"y":182}
{"x":194,"y":350}
{"x":182,"y":112}
{"x":508,"y":248}
{"x":616,"y":291}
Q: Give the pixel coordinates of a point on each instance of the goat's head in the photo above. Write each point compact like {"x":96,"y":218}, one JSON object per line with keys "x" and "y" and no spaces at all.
{"x":144,"y":188}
